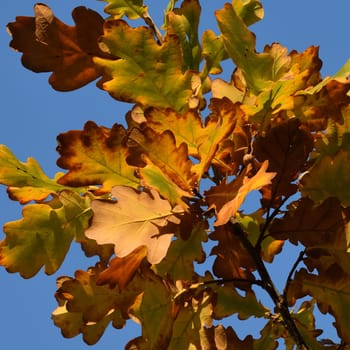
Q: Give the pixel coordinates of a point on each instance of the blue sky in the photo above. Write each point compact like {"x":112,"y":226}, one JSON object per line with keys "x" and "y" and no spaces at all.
{"x":32,"y":115}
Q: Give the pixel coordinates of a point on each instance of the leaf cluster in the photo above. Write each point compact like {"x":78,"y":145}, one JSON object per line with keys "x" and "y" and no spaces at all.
{"x":146,"y":196}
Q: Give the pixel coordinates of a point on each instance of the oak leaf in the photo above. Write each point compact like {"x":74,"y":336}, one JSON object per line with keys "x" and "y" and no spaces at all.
{"x":44,"y":234}
{"x":48,"y":45}
{"x":122,"y":270}
{"x":162,"y":165}
{"x":26,"y":181}
{"x":256,"y":182}
{"x":136,"y":219}
{"x":87,"y":308}
{"x":133,"y":9}
{"x":153,"y":76}
{"x":95,"y":156}
{"x":287,"y":148}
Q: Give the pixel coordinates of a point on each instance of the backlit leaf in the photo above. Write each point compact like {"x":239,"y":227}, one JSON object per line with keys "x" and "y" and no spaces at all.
{"x":49,"y":45}
{"x":44,"y":234}
{"x":250,"y":11}
{"x":260,"y":179}
{"x":183,"y":22}
{"x":136,"y":219}
{"x":153,"y":76}
{"x":146,"y":147}
{"x":240,"y":45}
{"x":95,"y":156}
{"x":133,"y":9}
{"x":26,"y":181}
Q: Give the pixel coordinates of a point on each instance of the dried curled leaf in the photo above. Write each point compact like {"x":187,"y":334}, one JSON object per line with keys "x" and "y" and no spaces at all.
{"x":136,"y":219}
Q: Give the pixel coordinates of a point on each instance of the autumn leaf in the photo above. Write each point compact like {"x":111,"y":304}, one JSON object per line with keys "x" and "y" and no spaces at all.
{"x":122,"y":270}
{"x":133,"y":9}
{"x":331,"y":292}
{"x":328,"y":177}
{"x":287,"y":147}
{"x":162,"y":165}
{"x":26,"y":181}
{"x":182,"y":254}
{"x":256,"y":182}
{"x":153,"y":309}
{"x":240,"y":45}
{"x":49,"y":45}
{"x":183,"y":23}
{"x":44,"y":234}
{"x":87,"y":308}
{"x":95,"y":156}
{"x":136,"y":219}
{"x":153,"y":76}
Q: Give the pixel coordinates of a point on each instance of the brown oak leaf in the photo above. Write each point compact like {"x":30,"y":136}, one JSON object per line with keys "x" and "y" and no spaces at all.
{"x":49,"y":45}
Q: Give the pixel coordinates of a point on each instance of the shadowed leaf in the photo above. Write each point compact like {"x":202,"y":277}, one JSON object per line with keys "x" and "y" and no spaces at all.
{"x":122,"y":270}
{"x":49,"y":45}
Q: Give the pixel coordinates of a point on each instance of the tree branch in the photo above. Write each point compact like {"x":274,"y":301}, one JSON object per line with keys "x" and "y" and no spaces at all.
{"x":279,"y":300}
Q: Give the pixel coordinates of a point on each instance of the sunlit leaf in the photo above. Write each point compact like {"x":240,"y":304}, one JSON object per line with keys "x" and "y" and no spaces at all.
{"x":136,"y":219}
{"x":240,"y":45}
{"x":49,"y":45}
{"x":153,"y":76}
{"x":250,"y":11}
{"x":260,"y":179}
{"x":133,"y":9}
{"x":95,"y":156}
{"x":183,"y":22}
{"x":26,"y":181}
{"x":44,"y":234}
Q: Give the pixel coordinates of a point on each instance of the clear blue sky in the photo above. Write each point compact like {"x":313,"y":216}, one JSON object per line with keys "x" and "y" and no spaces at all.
{"x":32,"y":115}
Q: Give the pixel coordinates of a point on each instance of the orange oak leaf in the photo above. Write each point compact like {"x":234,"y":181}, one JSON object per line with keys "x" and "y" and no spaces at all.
{"x":95,"y":156}
{"x":49,"y":45}
{"x":122,"y":270}
{"x":260,"y":179}
{"x":136,"y":219}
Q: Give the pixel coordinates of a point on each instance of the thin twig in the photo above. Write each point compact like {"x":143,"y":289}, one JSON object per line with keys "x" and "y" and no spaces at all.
{"x":279,"y":300}
{"x":231,"y":280}
{"x":291,"y":272}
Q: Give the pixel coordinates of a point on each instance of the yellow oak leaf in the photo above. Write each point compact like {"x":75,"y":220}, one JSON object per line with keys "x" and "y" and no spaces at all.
{"x":260,"y":179}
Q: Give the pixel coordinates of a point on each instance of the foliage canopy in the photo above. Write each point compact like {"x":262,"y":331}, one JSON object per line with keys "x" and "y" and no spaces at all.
{"x":145,"y":197}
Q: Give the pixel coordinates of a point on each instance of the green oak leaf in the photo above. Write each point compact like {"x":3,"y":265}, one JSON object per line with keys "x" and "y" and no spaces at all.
{"x":44,"y":234}
{"x":145,"y":73}
{"x":133,"y":9}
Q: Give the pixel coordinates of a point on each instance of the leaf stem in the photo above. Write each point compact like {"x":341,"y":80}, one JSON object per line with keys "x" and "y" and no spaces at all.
{"x":291,"y":272}
{"x":279,"y":300}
